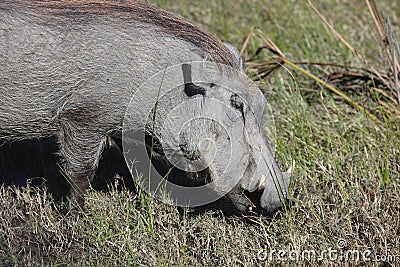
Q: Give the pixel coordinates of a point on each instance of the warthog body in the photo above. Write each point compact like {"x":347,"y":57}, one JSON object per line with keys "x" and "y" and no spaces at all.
{"x":69,"y":69}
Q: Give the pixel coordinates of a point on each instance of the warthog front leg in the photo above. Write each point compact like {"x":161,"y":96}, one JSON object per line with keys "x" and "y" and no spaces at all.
{"x":80,"y":148}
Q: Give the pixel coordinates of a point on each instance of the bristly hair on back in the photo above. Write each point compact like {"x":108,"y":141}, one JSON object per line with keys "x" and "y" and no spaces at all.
{"x":165,"y":21}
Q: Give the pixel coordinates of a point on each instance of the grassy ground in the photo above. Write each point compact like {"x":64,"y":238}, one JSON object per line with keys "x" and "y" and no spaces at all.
{"x":345,"y":197}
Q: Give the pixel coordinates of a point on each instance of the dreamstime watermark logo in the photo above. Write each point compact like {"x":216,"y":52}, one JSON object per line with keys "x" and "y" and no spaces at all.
{"x":341,"y":253}
{"x":199,"y":118}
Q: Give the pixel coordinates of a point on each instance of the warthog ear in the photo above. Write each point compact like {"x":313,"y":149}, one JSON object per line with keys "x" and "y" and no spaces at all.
{"x":235,"y":52}
{"x":190,"y":88}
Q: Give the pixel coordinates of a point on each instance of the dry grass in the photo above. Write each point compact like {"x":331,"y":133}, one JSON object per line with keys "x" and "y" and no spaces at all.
{"x":346,"y":195}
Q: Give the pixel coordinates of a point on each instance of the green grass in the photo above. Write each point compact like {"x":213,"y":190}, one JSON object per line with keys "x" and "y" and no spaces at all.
{"x":347,"y":182}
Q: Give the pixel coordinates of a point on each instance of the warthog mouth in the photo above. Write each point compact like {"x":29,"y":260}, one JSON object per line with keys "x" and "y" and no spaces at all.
{"x":245,"y":202}
{"x":250,"y":201}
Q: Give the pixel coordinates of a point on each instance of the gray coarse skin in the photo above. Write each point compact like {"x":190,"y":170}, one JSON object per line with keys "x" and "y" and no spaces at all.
{"x":71,"y":74}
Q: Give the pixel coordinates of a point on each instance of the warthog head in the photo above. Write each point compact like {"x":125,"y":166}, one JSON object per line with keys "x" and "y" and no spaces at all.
{"x":205,"y":131}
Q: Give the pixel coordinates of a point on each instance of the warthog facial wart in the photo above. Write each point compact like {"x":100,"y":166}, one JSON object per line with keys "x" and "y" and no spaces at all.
{"x":176,"y":99}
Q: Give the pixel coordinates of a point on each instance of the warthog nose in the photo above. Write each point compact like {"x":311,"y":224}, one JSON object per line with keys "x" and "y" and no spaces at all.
{"x":271,"y":202}
{"x":282,"y":205}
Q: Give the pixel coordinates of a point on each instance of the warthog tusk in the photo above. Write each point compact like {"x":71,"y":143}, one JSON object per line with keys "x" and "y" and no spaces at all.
{"x":261,"y":184}
{"x":289,"y":173}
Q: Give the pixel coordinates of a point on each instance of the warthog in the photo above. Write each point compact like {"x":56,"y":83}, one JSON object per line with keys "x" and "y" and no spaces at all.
{"x":70,"y":69}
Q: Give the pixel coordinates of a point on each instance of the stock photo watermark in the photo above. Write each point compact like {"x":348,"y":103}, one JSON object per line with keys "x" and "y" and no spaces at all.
{"x":339,"y":253}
